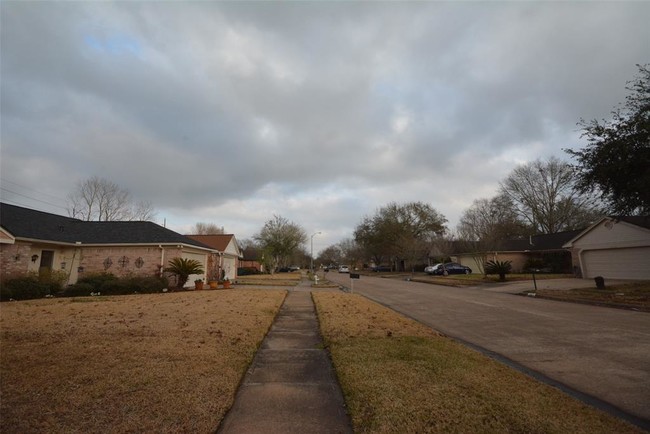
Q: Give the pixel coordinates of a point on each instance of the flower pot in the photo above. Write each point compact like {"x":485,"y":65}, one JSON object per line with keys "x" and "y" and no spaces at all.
{"x":226,"y":284}
{"x":213,"y":284}
{"x":198,"y":285}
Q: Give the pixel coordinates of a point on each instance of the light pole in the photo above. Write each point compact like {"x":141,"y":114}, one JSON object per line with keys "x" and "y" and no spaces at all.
{"x":311,"y":256}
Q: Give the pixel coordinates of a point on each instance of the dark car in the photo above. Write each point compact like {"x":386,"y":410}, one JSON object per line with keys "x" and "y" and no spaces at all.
{"x":379,"y":268}
{"x":451,"y":268}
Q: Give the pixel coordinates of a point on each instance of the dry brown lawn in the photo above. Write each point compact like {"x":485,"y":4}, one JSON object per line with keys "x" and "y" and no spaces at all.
{"x":634,"y":295}
{"x":478,"y":279}
{"x":400,"y":376}
{"x":159,"y":363}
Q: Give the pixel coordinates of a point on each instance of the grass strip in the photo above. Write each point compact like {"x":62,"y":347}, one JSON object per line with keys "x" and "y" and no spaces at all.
{"x":634,"y":295}
{"x":400,"y":376}
{"x":141,"y":363}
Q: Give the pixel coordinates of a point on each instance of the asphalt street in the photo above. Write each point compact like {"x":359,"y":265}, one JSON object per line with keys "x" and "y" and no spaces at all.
{"x":602,"y":352}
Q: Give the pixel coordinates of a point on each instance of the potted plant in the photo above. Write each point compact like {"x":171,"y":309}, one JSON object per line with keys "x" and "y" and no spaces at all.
{"x":198,"y":284}
{"x":226,"y":283}
{"x":213,"y":284}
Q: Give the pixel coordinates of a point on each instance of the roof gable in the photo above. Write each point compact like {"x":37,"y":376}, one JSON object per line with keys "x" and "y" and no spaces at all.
{"x":37,"y":225}
{"x":220,"y":242}
{"x":614,"y":231}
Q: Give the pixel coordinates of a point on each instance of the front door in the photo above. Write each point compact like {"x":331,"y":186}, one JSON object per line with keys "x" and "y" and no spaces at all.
{"x":47,"y":260}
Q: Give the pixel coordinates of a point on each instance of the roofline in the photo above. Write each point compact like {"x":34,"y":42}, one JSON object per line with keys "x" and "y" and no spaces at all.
{"x":569,"y":244}
{"x":512,"y":251}
{"x":81,"y":244}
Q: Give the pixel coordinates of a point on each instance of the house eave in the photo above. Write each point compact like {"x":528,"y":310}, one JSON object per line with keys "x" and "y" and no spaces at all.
{"x":81,"y":244}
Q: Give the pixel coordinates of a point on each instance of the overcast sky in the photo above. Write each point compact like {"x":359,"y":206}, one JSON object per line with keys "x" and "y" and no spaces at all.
{"x":320,"y":112}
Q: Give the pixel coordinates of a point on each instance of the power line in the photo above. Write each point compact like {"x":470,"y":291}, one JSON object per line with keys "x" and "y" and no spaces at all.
{"x":30,"y":188}
{"x":32,"y":198}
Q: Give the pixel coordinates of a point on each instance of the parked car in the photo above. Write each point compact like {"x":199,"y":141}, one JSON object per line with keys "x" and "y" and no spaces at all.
{"x":379,"y":268}
{"x":431,"y":268}
{"x":294,"y":268}
{"x":449,"y":268}
{"x":344,"y":269}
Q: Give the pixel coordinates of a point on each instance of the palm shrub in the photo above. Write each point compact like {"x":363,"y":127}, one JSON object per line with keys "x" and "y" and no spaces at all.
{"x":182,"y":268}
{"x":498,"y":267}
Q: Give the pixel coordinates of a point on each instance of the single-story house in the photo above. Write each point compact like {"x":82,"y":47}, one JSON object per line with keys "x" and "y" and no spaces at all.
{"x":545,"y":251}
{"x":229,"y":254}
{"x":613,"y":247}
{"x":33,"y":241}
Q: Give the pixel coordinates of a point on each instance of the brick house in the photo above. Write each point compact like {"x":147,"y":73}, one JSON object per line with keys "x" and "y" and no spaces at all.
{"x":32,"y":241}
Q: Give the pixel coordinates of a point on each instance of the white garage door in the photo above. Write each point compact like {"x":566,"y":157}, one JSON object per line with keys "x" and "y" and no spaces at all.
{"x":630,"y":263}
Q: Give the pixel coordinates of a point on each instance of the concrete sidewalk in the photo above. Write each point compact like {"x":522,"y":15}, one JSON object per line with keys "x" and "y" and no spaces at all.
{"x":291,"y":386}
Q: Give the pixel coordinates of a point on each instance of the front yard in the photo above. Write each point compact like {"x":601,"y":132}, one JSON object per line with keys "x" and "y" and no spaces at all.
{"x":633,"y":296}
{"x":140,"y":363}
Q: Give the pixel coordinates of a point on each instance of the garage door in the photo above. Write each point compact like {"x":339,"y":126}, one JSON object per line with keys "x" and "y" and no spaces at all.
{"x":630,"y":263}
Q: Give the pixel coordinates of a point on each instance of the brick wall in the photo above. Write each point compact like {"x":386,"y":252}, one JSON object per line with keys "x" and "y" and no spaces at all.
{"x":14,"y":259}
{"x":124,"y":261}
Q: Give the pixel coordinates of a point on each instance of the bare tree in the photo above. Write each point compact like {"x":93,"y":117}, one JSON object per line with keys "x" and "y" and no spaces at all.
{"x":98,"y":199}
{"x":201,"y":228}
{"x":351,"y":252}
{"x":545,"y":197}
{"x":488,"y":222}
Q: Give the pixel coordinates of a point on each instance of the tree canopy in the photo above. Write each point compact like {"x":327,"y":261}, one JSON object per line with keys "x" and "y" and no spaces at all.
{"x":399,"y":231}
{"x":616,"y":159}
{"x":279,"y":239}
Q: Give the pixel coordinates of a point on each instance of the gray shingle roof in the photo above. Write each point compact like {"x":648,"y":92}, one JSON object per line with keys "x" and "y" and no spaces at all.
{"x":28,"y":223}
{"x":540,"y":242}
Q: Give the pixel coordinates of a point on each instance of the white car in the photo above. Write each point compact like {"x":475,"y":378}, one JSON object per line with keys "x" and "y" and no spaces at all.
{"x":344,"y":269}
{"x":431,"y":269}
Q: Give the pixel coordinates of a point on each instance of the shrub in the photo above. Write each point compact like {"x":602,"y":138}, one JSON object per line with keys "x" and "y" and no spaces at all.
{"x":117,"y":287}
{"x":133,"y":285}
{"x":24,"y":288}
{"x":149,"y":285}
{"x":78,"y":290}
{"x":96,"y":280}
{"x":498,"y":267}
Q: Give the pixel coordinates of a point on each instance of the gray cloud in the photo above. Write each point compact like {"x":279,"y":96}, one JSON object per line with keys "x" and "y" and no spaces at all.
{"x":320,"y":112}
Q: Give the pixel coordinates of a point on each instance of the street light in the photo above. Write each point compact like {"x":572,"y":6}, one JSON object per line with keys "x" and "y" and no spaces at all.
{"x":311,"y":256}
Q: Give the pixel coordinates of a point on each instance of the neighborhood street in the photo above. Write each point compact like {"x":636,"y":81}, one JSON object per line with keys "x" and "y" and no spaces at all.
{"x":602,"y":352}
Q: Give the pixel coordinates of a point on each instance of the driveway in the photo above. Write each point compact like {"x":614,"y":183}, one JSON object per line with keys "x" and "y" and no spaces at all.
{"x":602,"y":352}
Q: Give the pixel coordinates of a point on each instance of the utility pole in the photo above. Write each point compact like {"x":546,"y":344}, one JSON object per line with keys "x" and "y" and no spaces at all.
{"x":311,"y":256}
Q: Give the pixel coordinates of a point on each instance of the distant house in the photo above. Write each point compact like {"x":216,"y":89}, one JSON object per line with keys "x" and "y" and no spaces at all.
{"x":33,"y":241}
{"x":228,"y":255}
{"x":538,"y":251}
{"x":614,"y":247}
